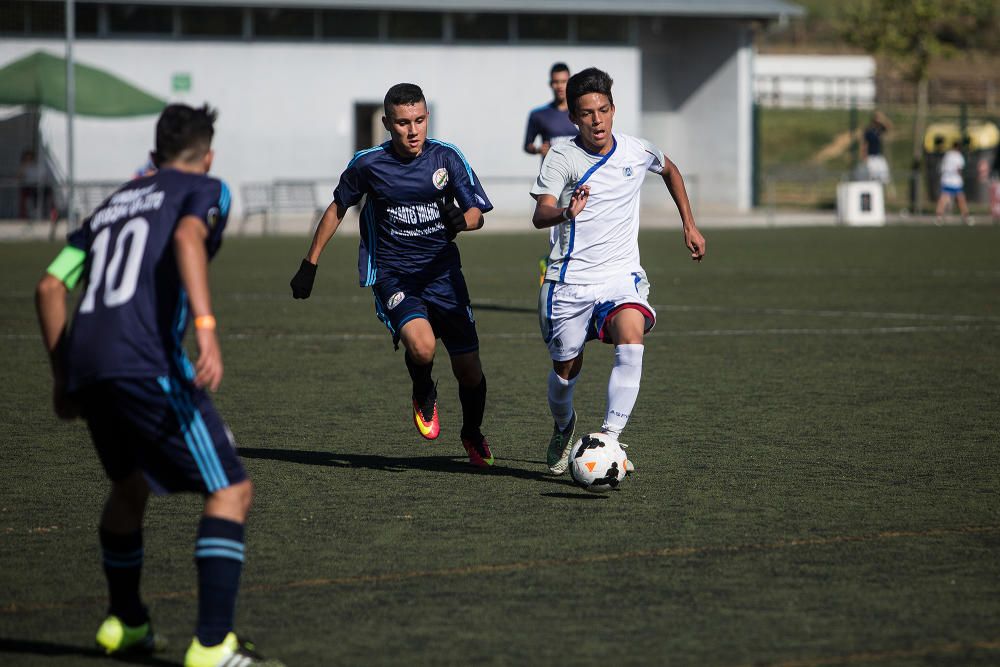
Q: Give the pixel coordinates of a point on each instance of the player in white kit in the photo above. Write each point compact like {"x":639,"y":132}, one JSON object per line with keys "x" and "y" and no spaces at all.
{"x":595,"y":287}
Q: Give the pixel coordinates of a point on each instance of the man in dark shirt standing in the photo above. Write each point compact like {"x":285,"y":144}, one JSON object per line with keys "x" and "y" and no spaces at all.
{"x":873,"y":149}
{"x":419,"y":194}
{"x":551,"y":121}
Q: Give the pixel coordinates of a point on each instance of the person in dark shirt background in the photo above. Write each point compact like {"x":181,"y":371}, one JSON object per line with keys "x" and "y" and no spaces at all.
{"x":873,"y":149}
{"x":550,"y":121}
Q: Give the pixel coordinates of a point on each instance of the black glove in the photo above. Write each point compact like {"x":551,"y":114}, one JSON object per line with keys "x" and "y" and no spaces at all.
{"x":451,"y":217}
{"x":302,"y":281}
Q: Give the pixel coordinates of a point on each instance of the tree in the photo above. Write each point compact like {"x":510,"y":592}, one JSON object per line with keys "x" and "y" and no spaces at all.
{"x":911,"y":33}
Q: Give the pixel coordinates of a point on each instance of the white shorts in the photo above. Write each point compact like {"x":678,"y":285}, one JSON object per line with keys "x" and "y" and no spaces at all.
{"x":878,"y":168}
{"x":570,"y":315}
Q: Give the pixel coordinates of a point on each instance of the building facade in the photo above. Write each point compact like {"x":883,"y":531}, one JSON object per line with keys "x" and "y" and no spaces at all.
{"x":299,"y":84}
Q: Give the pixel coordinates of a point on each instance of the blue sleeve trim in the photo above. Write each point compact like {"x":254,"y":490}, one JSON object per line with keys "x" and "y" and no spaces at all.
{"x":225,"y":198}
{"x":361,"y":154}
{"x":468,"y":167}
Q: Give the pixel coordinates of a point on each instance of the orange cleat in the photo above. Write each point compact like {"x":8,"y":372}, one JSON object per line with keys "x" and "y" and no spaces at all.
{"x":430,"y":428}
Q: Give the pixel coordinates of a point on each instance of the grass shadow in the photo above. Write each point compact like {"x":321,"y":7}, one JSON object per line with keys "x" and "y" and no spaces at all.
{"x":34,"y":647}
{"x":449,"y":464}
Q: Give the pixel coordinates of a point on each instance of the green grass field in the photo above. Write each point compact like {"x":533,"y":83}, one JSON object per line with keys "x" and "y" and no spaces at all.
{"x":816,"y":441}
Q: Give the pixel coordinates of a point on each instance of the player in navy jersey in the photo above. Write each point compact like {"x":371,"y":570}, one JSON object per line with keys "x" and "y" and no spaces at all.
{"x":419,"y":194}
{"x":143,"y":258}
{"x":551,"y":121}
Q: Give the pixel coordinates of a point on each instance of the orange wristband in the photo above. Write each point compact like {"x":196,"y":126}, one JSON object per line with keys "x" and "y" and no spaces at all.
{"x":204,"y":322}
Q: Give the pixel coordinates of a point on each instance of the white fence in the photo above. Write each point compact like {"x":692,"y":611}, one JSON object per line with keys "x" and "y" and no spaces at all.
{"x":814,"y":82}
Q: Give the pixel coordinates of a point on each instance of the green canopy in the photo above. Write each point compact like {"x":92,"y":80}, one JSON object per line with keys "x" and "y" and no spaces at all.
{"x":40,"y":80}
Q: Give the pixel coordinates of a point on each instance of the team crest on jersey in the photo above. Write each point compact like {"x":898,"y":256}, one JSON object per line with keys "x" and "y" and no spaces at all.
{"x":212,"y":217}
{"x":394,"y":300}
{"x":627,"y":172}
{"x":440,"y":178}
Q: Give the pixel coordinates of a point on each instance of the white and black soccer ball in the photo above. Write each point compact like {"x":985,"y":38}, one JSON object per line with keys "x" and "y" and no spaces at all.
{"x":597,"y":462}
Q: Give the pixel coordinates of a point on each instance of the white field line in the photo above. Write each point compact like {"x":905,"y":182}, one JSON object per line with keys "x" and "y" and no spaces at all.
{"x":727,"y":310}
{"x":697,"y":333}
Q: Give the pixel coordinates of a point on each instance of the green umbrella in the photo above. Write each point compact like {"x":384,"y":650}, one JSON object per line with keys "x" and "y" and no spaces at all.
{"x":39,"y":80}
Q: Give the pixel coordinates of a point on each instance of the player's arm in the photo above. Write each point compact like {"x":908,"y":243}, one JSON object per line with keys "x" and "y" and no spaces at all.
{"x":302,"y":281}
{"x":50,"y":304}
{"x":530,"y":134}
{"x":192,"y":264}
{"x":548,"y":214}
{"x":693,"y":239}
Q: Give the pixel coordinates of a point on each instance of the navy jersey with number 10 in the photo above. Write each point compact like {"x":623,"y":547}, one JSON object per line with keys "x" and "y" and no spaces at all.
{"x":401,"y":229}
{"x":132,"y":316}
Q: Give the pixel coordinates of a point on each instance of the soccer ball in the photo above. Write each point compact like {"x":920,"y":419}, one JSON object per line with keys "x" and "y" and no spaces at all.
{"x":597,"y":462}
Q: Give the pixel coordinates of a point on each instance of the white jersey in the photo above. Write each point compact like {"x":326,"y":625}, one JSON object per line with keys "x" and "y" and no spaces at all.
{"x":602,"y":241}
{"x":952,"y":165}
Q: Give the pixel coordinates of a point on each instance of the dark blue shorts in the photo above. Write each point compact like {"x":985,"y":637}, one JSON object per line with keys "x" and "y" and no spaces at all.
{"x":443,"y":301}
{"x":166,"y":427}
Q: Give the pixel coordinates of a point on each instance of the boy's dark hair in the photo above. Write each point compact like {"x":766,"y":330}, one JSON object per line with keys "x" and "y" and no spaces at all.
{"x":590,"y":80}
{"x":402,"y":93}
{"x":559,"y":67}
{"x":184,"y":133}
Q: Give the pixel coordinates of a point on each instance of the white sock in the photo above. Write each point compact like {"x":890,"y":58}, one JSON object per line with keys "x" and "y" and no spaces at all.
{"x":561,"y":399}
{"x":623,"y":387}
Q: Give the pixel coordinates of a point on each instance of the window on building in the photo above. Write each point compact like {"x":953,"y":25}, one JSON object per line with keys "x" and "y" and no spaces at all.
{"x":46,"y":18}
{"x":12,"y":17}
{"x":368,"y":128}
{"x":141,"y":19}
{"x":481,"y":27}
{"x":542,"y":27}
{"x":284,"y":23}
{"x":416,"y":25}
{"x":349,"y":24}
{"x":87,"y":18}
{"x":602,"y":28}
{"x":211,"y":21}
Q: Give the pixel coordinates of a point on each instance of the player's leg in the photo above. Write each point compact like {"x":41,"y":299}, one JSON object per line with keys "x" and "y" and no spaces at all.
{"x":622,"y":318}
{"x":419,"y":344}
{"x":126,"y":629}
{"x":564,"y":316}
{"x":942,"y":205}
{"x":450,"y":310}
{"x":468,"y":371}
{"x":963,"y":206}
{"x":401,"y":308}
{"x":625,"y":328}
{"x":220,"y":545}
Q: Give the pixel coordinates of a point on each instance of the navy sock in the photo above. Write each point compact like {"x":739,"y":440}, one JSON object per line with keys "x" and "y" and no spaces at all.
{"x":473,"y":406}
{"x":123,"y":569}
{"x":218,"y":554}
{"x":423,"y":383}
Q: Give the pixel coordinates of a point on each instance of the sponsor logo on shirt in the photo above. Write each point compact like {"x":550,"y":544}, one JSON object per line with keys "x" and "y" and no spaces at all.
{"x":440,"y":178}
{"x":394,"y":300}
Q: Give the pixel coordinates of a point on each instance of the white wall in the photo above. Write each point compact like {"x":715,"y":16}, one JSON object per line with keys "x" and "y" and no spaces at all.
{"x":697,"y":107}
{"x":286,"y":110}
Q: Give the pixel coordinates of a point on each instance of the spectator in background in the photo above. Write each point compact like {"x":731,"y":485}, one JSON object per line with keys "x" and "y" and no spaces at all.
{"x":551,"y":121}
{"x":873,"y":150}
{"x":34,"y":189}
{"x":952,"y":185}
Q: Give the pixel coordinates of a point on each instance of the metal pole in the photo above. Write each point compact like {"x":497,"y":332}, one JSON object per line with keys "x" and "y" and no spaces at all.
{"x":70,"y":110}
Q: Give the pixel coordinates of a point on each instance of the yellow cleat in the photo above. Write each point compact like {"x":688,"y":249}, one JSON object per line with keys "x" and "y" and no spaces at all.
{"x":230,"y":653}
{"x":116,"y":638}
